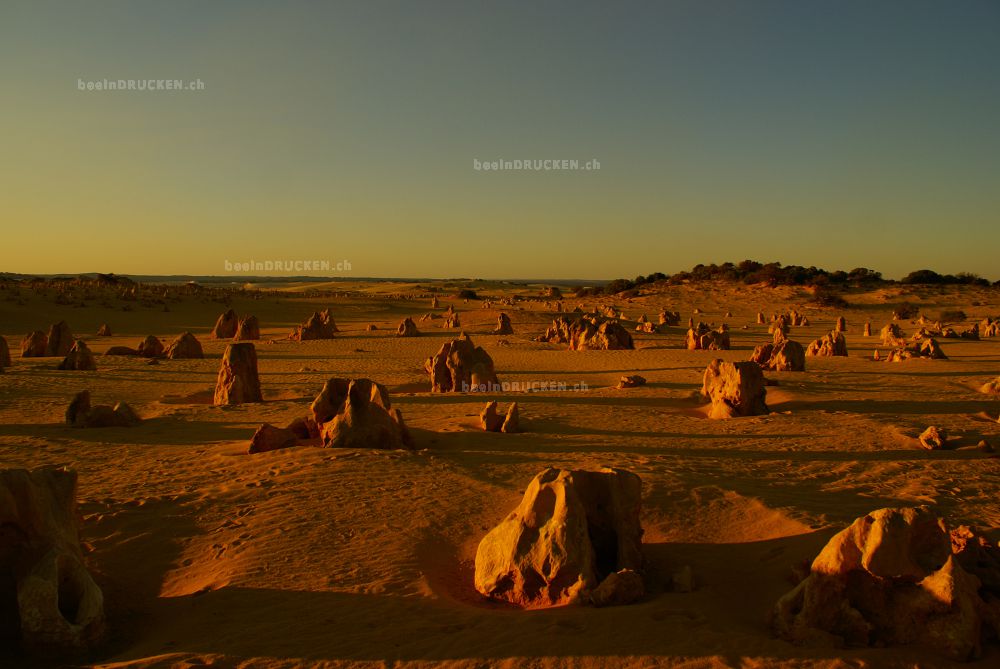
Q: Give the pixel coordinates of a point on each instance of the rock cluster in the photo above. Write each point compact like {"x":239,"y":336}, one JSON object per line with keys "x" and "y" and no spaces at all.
{"x":783,"y":356}
{"x":51,"y":604}
{"x":702,"y":338}
{"x":461,"y":366}
{"x":575,"y":538}
{"x":925,"y":348}
{"x":104,"y":330}
{"x":897,"y":576}
{"x":80,"y":413}
{"x":318,"y":326}
{"x":588,"y":333}
{"x":669,"y":318}
{"x":347,"y":413}
{"x":892,"y":335}
{"x":735,"y":389}
{"x":491,"y":421}
{"x":833,"y":344}
{"x":364,"y":418}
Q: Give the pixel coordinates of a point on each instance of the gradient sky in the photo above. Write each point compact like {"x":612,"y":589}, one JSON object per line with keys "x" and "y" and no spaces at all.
{"x":840,"y":134}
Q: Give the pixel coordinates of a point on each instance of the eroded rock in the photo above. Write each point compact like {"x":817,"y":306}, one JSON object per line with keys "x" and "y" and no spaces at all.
{"x":238,"y":381}
{"x":185,"y":347}
{"x":570,"y":533}
{"x":461,"y":366}
{"x":735,"y":389}
{"x":51,"y":604}
{"x":895,"y":576}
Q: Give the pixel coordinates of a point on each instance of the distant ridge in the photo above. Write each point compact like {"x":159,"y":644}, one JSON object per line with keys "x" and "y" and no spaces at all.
{"x":241,"y":279}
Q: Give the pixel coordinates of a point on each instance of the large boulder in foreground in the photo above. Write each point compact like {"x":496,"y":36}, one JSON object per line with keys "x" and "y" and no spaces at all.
{"x":735,"y":389}
{"x":49,"y":603}
{"x":461,"y":366}
{"x":589,"y":333}
{"x":238,"y":382}
{"x":897,"y":576}
{"x":225,"y":325}
{"x":79,"y":358}
{"x":60,"y":340}
{"x":571,"y":533}
{"x":366,"y":419}
{"x":318,"y":326}
{"x":34,"y":345}
{"x":185,"y":347}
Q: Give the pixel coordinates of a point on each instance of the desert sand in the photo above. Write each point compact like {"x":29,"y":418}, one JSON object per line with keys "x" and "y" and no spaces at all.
{"x":308,"y":556}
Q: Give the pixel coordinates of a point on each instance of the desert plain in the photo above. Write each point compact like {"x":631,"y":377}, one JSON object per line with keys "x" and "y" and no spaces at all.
{"x":359,"y":557}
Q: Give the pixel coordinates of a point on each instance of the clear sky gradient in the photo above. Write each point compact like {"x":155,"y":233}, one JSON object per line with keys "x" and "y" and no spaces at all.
{"x":837,"y":134}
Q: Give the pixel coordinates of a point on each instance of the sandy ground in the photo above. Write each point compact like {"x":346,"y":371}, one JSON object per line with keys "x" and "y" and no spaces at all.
{"x":315,"y":557}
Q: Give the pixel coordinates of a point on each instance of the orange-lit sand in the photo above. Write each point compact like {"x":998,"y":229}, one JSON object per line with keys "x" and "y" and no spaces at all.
{"x":209,"y":557}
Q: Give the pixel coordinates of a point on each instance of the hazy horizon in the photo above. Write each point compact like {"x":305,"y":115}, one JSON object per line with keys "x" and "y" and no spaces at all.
{"x":830,"y":134}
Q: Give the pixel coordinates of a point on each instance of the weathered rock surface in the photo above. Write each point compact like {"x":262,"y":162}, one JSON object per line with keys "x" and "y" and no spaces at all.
{"x":491,"y":421}
{"x":366,"y":419}
{"x":185,"y":347}
{"x":151,"y":347}
{"x":735,"y":389}
{"x":784,"y":356}
{"x":702,"y":338}
{"x":51,"y":604}
{"x":271,"y":438}
{"x":461,"y":366}
{"x":225,"y":325}
{"x":60,"y":340}
{"x":407,"y":328}
{"x":80,"y":413}
{"x":933,"y":438}
{"x":318,"y":326}
{"x":104,"y":330}
{"x":571,"y":532}
{"x":503,"y":325}
{"x":248,"y":329}
{"x":631,"y":381}
{"x":830,"y":345}
{"x":79,"y":358}
{"x":34,"y":345}
{"x":238,"y":381}
{"x":588,"y":333}
{"x":896,"y":576}
{"x":5,"y":360}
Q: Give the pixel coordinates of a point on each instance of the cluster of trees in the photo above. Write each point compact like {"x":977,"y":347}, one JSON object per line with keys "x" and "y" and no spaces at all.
{"x":775,"y":274}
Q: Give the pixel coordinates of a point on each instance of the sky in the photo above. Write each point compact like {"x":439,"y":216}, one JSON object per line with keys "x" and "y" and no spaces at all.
{"x":837,"y":134}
